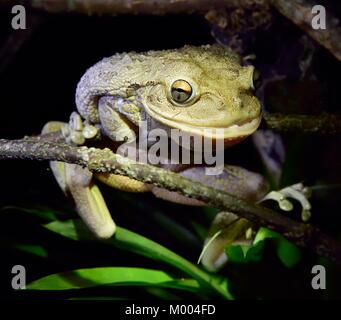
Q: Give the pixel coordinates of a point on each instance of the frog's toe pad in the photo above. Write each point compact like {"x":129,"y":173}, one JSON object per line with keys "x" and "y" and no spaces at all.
{"x":105,"y":231}
{"x":298,"y":192}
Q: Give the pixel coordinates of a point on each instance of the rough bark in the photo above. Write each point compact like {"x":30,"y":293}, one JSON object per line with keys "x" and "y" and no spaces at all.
{"x":104,"y":160}
{"x":320,"y":124}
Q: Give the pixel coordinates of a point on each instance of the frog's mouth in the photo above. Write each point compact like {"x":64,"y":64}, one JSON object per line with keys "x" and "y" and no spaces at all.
{"x":229,"y":134}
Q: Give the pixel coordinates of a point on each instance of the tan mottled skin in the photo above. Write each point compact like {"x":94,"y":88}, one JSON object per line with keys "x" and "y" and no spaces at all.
{"x":223,"y":88}
{"x":118,"y":92}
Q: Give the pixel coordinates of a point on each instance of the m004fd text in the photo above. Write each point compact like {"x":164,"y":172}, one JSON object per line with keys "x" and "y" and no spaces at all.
{"x":192,"y":309}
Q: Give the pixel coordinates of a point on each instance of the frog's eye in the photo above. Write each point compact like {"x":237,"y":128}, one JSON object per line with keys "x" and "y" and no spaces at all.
{"x":181,"y":91}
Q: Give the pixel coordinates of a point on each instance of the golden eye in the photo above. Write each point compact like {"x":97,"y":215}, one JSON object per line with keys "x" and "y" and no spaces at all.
{"x":181,"y":91}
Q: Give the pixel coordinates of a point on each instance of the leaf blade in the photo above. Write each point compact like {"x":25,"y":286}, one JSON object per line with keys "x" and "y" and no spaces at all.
{"x":134,"y":242}
{"x":91,"y":277}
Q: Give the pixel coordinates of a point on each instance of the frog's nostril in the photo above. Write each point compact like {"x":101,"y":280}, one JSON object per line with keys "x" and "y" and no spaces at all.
{"x":221,"y":106}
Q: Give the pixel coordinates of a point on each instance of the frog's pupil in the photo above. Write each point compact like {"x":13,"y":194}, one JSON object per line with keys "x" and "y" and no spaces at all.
{"x":180,"y":94}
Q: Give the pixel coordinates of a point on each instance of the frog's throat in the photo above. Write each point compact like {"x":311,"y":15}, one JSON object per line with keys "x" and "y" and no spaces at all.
{"x":229,"y":133}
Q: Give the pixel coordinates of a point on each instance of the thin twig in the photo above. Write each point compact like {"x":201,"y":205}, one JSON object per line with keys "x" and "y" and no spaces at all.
{"x":104,"y":160}
{"x":323,"y":123}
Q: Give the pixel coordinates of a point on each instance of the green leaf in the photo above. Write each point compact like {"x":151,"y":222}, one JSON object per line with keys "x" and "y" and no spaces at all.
{"x":70,"y":229}
{"x":264,"y":233}
{"x":288,"y":253}
{"x":131,"y":241}
{"x":245,"y":253}
{"x":235,"y":254}
{"x":32,"y":249}
{"x":86,"y":278}
{"x":42,"y":213}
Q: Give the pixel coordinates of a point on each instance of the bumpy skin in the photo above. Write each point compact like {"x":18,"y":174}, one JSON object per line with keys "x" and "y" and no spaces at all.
{"x":119,"y":92}
{"x":140,"y":83}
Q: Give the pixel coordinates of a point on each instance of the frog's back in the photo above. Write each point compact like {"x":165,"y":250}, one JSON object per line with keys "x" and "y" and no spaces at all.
{"x":116,"y":74}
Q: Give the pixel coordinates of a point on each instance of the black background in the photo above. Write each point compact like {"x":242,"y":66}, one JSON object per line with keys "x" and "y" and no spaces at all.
{"x":38,"y":85}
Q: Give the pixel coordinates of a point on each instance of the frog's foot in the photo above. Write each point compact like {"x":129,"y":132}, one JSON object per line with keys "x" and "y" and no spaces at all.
{"x":77,"y":131}
{"x":77,"y":182}
{"x":89,"y":201}
{"x":226,"y":229}
{"x":298,"y":192}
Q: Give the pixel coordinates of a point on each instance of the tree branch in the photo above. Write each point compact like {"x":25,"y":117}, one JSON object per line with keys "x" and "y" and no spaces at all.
{"x":104,"y":160}
{"x":322,"y":124}
{"x":115,"y":7}
{"x":299,"y":12}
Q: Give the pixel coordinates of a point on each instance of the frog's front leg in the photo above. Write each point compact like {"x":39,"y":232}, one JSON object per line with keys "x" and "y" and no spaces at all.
{"x":117,"y":117}
{"x":77,"y":182}
{"x":296,"y":191}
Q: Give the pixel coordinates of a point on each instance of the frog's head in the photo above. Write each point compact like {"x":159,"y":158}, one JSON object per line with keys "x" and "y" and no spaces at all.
{"x":191,"y":89}
{"x":204,"y":88}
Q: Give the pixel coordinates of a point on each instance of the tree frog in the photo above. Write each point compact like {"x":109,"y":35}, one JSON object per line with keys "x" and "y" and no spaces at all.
{"x":189,"y":89}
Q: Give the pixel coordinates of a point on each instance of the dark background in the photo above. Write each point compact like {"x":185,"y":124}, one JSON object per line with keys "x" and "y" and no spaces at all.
{"x":38,"y":85}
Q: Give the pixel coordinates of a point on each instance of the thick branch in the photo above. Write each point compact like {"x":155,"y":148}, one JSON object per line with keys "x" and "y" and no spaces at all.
{"x":300,"y":13}
{"x":104,"y":160}
{"x":322,"y":124}
{"x":115,"y":7}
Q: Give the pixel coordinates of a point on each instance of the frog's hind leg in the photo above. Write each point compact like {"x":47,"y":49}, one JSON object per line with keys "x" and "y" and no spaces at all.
{"x":57,"y":167}
{"x":226,"y":229}
{"x":123,"y":183}
{"x":89,"y":201}
{"x":77,"y":182}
